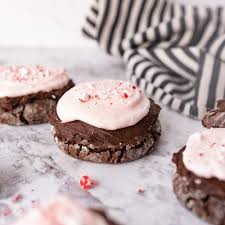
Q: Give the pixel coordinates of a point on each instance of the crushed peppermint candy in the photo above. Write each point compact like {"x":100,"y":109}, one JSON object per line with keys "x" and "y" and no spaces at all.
{"x":6,"y":211}
{"x":86,"y":97}
{"x":19,"y":73}
{"x":86,"y":182}
{"x":125,"y":95}
{"x":140,"y":190}
{"x":123,"y":91}
{"x":17,"y":198}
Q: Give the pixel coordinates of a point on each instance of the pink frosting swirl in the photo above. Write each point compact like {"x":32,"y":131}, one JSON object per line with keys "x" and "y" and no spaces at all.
{"x":20,"y":80}
{"x":107,"y":104}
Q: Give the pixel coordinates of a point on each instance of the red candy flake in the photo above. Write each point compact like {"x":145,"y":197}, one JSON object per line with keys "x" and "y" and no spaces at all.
{"x":87,"y":183}
{"x":19,"y":78}
{"x":125,"y":95}
{"x":17,"y":198}
{"x":134,"y":87}
{"x":6,"y":211}
{"x":140,"y":190}
{"x":201,"y":154}
{"x":85,"y":99}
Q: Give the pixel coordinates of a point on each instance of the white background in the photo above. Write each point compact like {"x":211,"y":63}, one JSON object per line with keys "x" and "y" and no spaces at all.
{"x":48,"y":22}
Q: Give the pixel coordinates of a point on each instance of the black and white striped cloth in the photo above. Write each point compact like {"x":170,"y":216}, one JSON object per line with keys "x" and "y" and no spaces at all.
{"x":175,"y":52}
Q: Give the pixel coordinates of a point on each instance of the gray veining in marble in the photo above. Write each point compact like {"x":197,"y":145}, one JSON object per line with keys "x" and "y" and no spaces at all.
{"x":32,"y":165}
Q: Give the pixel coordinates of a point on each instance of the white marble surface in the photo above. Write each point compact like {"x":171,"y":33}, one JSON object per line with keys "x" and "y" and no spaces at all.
{"x":32,"y":165}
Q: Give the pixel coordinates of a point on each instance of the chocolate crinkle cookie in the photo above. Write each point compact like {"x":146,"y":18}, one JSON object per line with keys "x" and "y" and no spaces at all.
{"x":29,"y":94}
{"x":216,"y":117}
{"x":199,"y":181}
{"x":107,"y":122}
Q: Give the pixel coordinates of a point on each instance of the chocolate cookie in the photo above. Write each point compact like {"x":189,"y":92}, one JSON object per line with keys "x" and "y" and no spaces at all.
{"x":84,"y":141}
{"x":28,"y":94}
{"x":30,"y":109}
{"x":203,"y":196}
{"x":216,"y":117}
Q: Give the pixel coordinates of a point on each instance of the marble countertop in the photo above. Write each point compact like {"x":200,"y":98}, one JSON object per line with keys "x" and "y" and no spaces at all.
{"x":32,"y":165}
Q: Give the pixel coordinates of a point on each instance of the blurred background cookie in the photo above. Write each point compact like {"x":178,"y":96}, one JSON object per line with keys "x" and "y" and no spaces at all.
{"x":199,"y":182}
{"x":28,"y":94}
{"x":216,"y":117}
{"x":63,"y":212}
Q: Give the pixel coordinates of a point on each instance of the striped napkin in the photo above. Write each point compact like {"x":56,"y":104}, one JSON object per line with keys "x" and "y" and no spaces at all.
{"x":175,"y":52}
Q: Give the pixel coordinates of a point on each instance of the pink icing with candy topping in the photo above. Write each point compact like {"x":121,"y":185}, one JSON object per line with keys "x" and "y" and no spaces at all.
{"x":106,"y":104}
{"x":205,"y":153}
{"x":20,"y":80}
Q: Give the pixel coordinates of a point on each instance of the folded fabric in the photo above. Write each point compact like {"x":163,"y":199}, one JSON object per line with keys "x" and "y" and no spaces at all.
{"x":175,"y":52}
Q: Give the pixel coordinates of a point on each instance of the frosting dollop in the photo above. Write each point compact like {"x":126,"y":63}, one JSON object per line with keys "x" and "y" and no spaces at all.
{"x":18,"y":80}
{"x":106,"y":104}
{"x":205,"y":153}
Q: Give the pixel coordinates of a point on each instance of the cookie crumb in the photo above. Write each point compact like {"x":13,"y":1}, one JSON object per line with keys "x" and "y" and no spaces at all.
{"x":86,"y":182}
